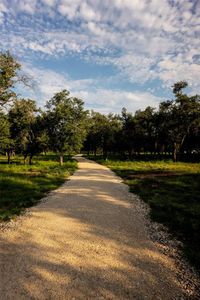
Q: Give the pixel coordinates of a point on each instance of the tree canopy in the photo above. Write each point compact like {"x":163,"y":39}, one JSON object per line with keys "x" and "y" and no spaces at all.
{"x":64,"y":125}
{"x":66,"y":122}
{"x":9,"y":68}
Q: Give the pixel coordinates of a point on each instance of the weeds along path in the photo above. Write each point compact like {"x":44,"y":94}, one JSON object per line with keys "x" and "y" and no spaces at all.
{"x":87,"y":240}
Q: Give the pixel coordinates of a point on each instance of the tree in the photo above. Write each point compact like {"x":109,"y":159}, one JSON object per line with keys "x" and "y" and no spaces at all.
{"x":185,"y":111}
{"x":6,"y":143}
{"x":24,"y":128}
{"x":162,"y":127}
{"x":177,"y":119}
{"x":128,"y":132}
{"x":138,"y":131}
{"x":66,"y":122}
{"x":178,"y":87}
{"x":9,"y":68}
{"x":145,"y":136}
{"x":102,"y":133}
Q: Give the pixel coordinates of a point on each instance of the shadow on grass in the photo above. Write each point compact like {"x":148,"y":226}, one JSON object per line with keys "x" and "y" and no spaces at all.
{"x":18,"y":160}
{"x":174,"y":200}
{"x":173,"y":192}
{"x":95,"y":254}
{"x":22,"y":186}
{"x":19,"y":192}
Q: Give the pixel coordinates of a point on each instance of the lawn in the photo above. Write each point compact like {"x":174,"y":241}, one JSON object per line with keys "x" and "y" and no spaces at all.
{"x":173,"y":192}
{"x":22,"y":186}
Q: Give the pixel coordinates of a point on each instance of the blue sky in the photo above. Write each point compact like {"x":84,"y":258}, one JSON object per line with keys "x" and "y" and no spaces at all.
{"x":111,"y":53}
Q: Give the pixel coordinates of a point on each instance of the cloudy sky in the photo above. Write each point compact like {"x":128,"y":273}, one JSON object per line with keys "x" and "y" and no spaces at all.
{"x":110,"y":53}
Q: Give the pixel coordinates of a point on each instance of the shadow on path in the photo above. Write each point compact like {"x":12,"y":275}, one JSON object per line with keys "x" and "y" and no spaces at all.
{"x":86,"y":241}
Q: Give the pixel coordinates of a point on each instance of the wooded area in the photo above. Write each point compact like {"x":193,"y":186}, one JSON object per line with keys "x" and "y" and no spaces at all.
{"x":64,"y":127}
{"x":64,"y":124}
{"x":172,"y":130}
{"x":28,"y":130}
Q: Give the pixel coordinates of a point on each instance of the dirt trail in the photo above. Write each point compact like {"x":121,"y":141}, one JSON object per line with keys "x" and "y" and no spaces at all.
{"x":86,"y":241}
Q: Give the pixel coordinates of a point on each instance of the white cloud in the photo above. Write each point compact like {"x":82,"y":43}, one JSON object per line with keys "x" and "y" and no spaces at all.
{"x":27,"y":6}
{"x":48,"y":82}
{"x":144,"y":40}
{"x":68,"y":8}
{"x":108,"y":100}
{"x":87,"y":12}
{"x":3,"y":9}
{"x":179,"y":68}
{"x":49,"y":2}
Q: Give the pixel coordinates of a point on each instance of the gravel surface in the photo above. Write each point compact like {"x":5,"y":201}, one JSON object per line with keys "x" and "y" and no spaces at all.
{"x":88,"y":239}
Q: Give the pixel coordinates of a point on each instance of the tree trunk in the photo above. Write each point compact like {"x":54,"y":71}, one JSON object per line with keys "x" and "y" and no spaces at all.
{"x":25,"y":156}
{"x":61,"y":159}
{"x":163,"y":148}
{"x":9,"y":156}
{"x":30,"y":159}
{"x":129,"y":154}
{"x":155,"y":147}
{"x":175,"y":152}
{"x":105,"y":153}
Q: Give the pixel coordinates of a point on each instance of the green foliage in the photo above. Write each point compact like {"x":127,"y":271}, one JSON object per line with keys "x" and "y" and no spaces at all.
{"x":5,"y":141}
{"x":174,"y":128}
{"x":8,"y":77}
{"x":26,"y":128}
{"x":173,"y":193}
{"x":102,"y":133}
{"x":66,"y":121}
{"x":22,"y":186}
{"x":179,"y":86}
{"x":179,"y":116}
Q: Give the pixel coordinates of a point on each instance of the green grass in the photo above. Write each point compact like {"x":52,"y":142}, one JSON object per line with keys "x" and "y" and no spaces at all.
{"x":22,"y":186}
{"x":173,"y":192}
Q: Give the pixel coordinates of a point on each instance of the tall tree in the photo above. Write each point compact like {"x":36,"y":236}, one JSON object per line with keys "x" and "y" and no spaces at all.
{"x":9,"y":68}
{"x":128,"y":132}
{"x":66,"y":122}
{"x":185,"y":111}
{"x":6,"y":143}
{"x":102,"y":133}
{"x":24,"y":132}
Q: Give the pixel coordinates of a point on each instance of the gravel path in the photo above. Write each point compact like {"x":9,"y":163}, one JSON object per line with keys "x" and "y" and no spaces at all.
{"x":87,"y":240}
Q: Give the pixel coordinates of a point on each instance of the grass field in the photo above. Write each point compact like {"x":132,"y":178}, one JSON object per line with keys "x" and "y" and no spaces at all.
{"x":173,"y":192}
{"x":22,"y":186}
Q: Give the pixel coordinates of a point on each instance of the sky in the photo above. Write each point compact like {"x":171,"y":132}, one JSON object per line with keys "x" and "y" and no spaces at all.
{"x":110,"y":53}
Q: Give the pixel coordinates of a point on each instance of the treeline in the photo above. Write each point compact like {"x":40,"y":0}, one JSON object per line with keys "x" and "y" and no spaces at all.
{"x":64,"y":125}
{"x":173,"y":129}
{"x":27,"y":130}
